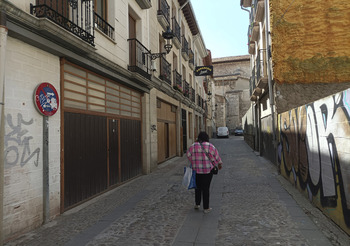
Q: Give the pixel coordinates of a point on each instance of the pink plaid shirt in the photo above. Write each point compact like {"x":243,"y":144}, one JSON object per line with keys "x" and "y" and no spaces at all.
{"x":199,"y":160}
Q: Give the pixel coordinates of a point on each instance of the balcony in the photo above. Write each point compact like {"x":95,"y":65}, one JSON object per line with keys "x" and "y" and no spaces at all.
{"x":193,"y":95}
{"x":252,"y":85}
{"x":254,"y":36}
{"x":191,"y":61}
{"x":246,"y":3}
{"x":251,"y":48}
{"x":163,"y":14}
{"x":103,"y":26}
{"x":177,"y":33}
{"x":257,"y":11}
{"x":177,"y":81}
{"x":165,"y":70}
{"x":261,"y":78}
{"x":144,"y":4}
{"x":185,"y":50}
{"x":139,"y":58}
{"x":186,"y":89}
{"x":72,"y":17}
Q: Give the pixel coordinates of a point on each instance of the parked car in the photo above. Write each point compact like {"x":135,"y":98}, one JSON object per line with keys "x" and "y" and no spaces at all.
{"x":239,"y":131}
{"x":222,"y":132}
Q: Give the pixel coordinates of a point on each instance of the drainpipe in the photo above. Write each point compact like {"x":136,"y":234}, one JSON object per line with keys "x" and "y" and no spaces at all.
{"x":269,"y":75}
{"x":180,"y":69}
{"x":246,"y":10}
{"x":180,"y":17}
{"x":3,"y":40}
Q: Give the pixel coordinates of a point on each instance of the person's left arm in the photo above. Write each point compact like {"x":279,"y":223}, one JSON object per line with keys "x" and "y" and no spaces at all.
{"x":215,"y":154}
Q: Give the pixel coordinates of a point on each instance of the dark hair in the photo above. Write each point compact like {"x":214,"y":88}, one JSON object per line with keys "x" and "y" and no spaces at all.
{"x":203,"y":137}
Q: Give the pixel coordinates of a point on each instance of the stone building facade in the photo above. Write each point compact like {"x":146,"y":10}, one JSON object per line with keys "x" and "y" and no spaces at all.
{"x":231,"y":78}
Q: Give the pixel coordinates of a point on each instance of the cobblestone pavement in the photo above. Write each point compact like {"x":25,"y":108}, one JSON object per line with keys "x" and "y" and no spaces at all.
{"x":252,"y":205}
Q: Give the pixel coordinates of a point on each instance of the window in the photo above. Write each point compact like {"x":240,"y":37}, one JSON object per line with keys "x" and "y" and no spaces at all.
{"x":101,"y":8}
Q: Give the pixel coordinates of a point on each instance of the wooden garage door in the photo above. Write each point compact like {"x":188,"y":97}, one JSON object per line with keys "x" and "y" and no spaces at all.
{"x":85,"y":157}
{"x":166,"y":130}
{"x":102,"y":134}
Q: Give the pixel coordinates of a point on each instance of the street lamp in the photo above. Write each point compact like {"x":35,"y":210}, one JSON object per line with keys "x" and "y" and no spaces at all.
{"x":168,"y":35}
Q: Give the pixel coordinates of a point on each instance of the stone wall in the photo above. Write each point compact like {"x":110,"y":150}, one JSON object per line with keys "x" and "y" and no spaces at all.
{"x":231,"y":76}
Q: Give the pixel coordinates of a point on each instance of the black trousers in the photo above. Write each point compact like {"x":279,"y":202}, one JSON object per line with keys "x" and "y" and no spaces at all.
{"x":203,"y":184}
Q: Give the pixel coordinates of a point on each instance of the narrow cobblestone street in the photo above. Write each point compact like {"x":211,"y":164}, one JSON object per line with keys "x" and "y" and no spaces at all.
{"x":252,"y":205}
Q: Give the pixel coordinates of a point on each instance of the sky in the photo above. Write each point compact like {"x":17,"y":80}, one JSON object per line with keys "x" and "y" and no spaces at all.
{"x":223,"y":25}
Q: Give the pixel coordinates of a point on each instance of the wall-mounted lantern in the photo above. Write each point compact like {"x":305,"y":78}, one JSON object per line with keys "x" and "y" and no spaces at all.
{"x":168,"y":35}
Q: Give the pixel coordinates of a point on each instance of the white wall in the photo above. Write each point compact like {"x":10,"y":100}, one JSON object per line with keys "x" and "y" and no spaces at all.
{"x":26,"y":67}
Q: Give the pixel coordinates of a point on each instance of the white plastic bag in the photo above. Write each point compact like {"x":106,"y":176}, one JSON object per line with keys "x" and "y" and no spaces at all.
{"x":187,"y":177}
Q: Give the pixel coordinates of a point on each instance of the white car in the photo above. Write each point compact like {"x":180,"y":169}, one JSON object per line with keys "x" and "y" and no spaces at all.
{"x":222,"y":132}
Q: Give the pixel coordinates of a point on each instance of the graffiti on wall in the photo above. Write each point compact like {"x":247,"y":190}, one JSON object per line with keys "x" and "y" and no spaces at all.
{"x":314,"y":151}
{"x":17,"y":143}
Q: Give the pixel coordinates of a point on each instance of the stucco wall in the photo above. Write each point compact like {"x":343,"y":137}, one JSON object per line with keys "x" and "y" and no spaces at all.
{"x":290,"y":96}
{"x":26,"y":67}
{"x":314,"y":153}
{"x":248,"y":126}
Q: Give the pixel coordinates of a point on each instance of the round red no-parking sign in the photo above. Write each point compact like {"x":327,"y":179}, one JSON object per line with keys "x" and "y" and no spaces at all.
{"x":46,"y":99}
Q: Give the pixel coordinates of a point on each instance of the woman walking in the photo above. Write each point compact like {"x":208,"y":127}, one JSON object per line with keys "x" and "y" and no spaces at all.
{"x":203,"y":157}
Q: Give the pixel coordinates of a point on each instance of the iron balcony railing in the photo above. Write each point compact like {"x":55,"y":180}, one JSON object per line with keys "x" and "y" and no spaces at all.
{"x":250,"y":30}
{"x":185,"y":46}
{"x":139,"y":58}
{"x":68,"y":15}
{"x":258,"y":66}
{"x":176,"y":29}
{"x":252,"y":81}
{"x":165,"y":70}
{"x":253,"y":10}
{"x":252,"y":18}
{"x":104,"y":26}
{"x":193,"y":95}
{"x":177,"y":81}
{"x":191,"y":55}
{"x":164,"y":9}
{"x":186,"y":89}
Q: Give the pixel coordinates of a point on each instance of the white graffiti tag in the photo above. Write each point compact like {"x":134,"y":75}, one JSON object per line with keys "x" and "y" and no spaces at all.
{"x":17,"y":144}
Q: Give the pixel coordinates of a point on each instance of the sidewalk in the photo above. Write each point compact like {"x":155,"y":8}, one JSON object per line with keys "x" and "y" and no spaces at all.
{"x":252,"y":205}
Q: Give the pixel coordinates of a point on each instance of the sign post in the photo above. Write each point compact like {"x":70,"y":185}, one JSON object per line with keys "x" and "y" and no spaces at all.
{"x":46,"y":101}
